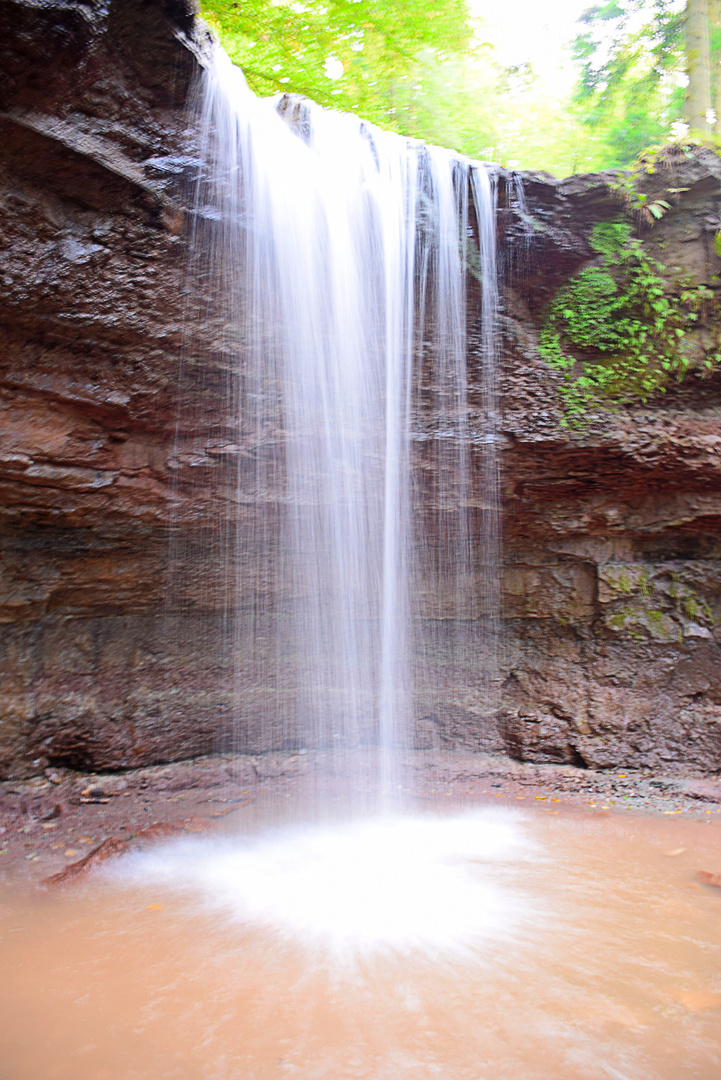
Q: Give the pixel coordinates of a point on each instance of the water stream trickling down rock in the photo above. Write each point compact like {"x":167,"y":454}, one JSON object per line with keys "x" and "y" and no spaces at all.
{"x":112,"y":455}
{"x":336,"y":259}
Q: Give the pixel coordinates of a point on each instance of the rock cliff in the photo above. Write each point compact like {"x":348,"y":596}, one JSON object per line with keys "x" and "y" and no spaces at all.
{"x":113,"y":455}
{"x":613,"y":581}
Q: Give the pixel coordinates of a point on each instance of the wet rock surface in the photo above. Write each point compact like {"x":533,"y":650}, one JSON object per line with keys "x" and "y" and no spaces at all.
{"x":51,"y":833}
{"x":116,"y":462}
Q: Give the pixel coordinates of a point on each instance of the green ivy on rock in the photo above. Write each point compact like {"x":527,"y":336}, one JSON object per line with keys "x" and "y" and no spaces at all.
{"x":616,"y":332}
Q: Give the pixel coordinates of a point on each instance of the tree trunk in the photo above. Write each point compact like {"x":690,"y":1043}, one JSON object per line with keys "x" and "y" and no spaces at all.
{"x":714,"y":21}
{"x":698,"y":65}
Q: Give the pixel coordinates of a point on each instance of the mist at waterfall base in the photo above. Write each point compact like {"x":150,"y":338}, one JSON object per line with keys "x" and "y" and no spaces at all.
{"x":351,"y":275}
{"x":356,"y":929}
{"x":601,"y":964}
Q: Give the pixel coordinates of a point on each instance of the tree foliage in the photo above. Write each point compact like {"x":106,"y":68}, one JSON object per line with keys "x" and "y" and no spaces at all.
{"x":423,"y":68}
{"x":357,"y":55}
{"x":420,"y":67}
{"x":630,"y":87}
{"x":645,"y":67}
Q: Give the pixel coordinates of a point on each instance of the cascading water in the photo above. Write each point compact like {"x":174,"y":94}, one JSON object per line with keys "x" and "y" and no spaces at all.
{"x":349,"y":298}
{"x":337,"y":256}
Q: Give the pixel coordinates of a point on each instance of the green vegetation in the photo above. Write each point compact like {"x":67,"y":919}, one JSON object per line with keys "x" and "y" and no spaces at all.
{"x":621,"y":328}
{"x":424,"y":68}
{"x":358,"y":56}
{"x":647,"y":68}
{"x":635,"y":612}
{"x":629,"y":92}
{"x":419,"y":67}
{"x":689,"y":603}
{"x":618,"y":330}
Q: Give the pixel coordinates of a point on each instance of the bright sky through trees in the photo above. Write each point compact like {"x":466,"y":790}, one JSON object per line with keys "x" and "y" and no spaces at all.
{"x":529,"y":32}
{"x":565,"y":86}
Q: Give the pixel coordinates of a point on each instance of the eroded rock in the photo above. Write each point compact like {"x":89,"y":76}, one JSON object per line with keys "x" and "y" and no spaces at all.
{"x":612,"y":578}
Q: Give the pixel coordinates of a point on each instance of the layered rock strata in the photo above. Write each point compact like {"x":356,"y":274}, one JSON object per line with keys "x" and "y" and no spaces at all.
{"x":612,"y":545}
{"x":117,"y":451}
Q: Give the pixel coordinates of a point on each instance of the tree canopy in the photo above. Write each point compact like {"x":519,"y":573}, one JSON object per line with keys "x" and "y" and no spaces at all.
{"x":350,"y":54}
{"x":629,"y":90}
{"x":424,"y":68}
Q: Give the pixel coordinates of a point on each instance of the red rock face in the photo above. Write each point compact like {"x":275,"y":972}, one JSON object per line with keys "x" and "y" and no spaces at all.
{"x":117,"y":462}
{"x":613,"y":578}
{"x":93,"y":273}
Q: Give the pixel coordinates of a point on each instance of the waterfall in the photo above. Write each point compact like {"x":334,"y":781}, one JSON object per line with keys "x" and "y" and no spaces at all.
{"x":337,"y":261}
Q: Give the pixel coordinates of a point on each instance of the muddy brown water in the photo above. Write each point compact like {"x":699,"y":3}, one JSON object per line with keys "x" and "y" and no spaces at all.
{"x":609,"y":966}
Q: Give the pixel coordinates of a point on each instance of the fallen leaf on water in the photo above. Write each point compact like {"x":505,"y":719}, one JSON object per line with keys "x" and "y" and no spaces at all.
{"x":676,"y":851}
{"x":701,"y":1000}
{"x":49,"y":825}
{"x":85,"y":840}
{"x":155,"y":907}
{"x":709,"y":879}
{"x":540,"y":796}
{"x":555,"y":800}
{"x":70,"y":852}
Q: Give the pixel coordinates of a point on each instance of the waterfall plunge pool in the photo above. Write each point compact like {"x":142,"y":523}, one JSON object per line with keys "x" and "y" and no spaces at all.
{"x":355,"y":279}
{"x":473,"y":944}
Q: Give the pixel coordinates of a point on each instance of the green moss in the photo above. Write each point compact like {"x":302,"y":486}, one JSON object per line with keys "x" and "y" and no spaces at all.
{"x":691,"y":604}
{"x":638,"y":617}
{"x":623,"y":584}
{"x":616,"y":332}
{"x":667,"y":153}
{"x":691,"y":607}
